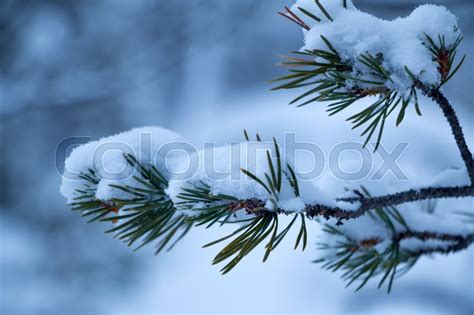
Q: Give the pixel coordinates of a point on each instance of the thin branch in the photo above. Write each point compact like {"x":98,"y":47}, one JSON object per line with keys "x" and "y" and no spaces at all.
{"x":459,"y":242}
{"x":411,"y":196}
{"x":450,"y":114}
{"x":369,"y":203}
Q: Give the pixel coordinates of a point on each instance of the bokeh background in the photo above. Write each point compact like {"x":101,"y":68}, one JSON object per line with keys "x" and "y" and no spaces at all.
{"x":97,"y":67}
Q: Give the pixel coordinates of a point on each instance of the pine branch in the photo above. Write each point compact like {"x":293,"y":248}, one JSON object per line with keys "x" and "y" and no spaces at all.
{"x":370,"y":203}
{"x":263,"y":221}
{"x":148,"y":213}
{"x":364,"y":259}
{"x":412,"y":195}
{"x":344,"y":82}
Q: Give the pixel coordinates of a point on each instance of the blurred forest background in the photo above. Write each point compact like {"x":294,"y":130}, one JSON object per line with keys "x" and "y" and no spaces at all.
{"x":97,"y":67}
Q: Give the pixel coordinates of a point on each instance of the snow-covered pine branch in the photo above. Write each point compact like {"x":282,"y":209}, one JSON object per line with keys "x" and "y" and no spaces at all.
{"x":349,"y":55}
{"x":157,"y":190}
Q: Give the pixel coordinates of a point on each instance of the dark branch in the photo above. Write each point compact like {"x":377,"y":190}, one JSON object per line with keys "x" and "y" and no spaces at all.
{"x":412,"y":196}
{"x":453,"y":121}
{"x":368,"y":203}
{"x":457,"y":242}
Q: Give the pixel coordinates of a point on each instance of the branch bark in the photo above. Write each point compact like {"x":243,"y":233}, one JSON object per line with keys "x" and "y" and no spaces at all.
{"x":458,"y":242}
{"x":411,"y":196}
{"x":369,"y":203}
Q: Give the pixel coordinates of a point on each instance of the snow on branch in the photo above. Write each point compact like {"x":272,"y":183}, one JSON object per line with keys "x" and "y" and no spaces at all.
{"x":349,"y":55}
{"x":153,"y":186}
{"x":147,"y":206}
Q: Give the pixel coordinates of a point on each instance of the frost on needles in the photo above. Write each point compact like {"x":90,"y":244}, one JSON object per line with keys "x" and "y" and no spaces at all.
{"x":131,"y":181}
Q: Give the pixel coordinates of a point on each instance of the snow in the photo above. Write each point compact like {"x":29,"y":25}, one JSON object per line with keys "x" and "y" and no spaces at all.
{"x":293,"y":205}
{"x":427,"y":216}
{"x":440,"y":221}
{"x":413,"y":244}
{"x":106,"y":158}
{"x":400,"y":41}
{"x":452,"y":177}
{"x":220,"y":169}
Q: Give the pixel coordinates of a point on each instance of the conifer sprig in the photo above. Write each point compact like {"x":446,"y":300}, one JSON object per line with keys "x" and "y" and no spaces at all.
{"x":262,"y":224}
{"x":445,"y":56}
{"x":147,"y":216}
{"x":341,"y":83}
{"x":361,"y":260}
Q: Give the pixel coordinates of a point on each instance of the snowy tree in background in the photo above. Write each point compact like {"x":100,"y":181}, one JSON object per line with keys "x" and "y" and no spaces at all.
{"x":371,"y":68}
